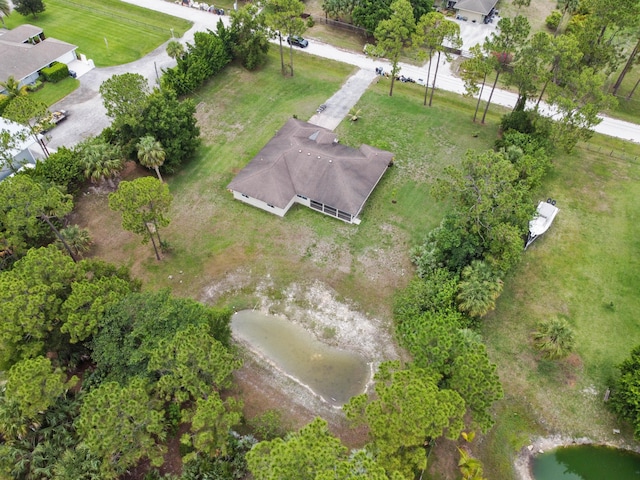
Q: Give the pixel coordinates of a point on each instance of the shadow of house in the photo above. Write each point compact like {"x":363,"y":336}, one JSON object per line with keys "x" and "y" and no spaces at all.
{"x":304,"y":163}
{"x":24,"y":51}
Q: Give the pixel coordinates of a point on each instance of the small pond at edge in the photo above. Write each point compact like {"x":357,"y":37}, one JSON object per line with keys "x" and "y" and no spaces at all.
{"x":336,"y":375}
{"x":587,"y":462}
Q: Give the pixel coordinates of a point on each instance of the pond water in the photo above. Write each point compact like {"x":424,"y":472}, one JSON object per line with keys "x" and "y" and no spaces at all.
{"x":333,"y":374}
{"x":587,"y":462}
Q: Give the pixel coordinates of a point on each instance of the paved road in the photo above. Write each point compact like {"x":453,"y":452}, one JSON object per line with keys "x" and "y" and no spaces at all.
{"x":88,"y":116}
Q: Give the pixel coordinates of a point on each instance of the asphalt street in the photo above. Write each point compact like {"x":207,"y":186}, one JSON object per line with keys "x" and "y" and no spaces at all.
{"x":88,"y":115}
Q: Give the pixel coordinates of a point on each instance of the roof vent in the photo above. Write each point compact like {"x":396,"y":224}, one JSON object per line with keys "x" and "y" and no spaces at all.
{"x":330,"y":161}
{"x":308,"y":153}
{"x":299,"y":151}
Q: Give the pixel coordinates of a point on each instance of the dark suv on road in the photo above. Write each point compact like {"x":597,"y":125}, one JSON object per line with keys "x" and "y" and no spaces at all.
{"x":297,"y":41}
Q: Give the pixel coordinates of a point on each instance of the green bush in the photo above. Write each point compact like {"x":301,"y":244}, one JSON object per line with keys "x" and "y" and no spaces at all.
{"x":553,"y":20}
{"x":56,"y":72}
{"x":310,"y":22}
{"x":62,"y":168}
{"x":4,"y":101}
{"x":35,"y":86}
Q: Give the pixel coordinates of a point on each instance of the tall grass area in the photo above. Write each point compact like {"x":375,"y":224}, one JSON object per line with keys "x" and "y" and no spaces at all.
{"x":585,"y":269}
{"x":110,"y":32}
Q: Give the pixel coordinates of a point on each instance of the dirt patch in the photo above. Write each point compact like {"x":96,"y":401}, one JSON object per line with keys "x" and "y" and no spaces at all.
{"x":315,"y":307}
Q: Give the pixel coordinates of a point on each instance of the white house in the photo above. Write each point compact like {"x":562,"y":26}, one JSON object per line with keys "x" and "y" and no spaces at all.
{"x":22,"y":154}
{"x":24,"y":51}
{"x":304,"y":163}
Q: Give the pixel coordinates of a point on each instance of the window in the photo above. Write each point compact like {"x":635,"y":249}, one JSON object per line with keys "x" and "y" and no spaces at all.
{"x":344,"y":215}
{"x":316,"y":205}
{"x":330,"y":210}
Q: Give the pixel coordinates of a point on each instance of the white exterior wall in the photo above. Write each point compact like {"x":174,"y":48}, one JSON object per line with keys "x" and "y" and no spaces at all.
{"x":67,"y":58}
{"x":260,"y":204}
{"x":471,"y":16}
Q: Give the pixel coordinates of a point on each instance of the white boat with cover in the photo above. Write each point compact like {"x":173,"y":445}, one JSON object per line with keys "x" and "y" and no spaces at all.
{"x":545,"y":213}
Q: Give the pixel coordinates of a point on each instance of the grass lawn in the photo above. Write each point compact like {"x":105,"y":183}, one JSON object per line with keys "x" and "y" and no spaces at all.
{"x":110,"y":32}
{"x":238,"y":113}
{"x":584,"y":269}
{"x":51,"y":93}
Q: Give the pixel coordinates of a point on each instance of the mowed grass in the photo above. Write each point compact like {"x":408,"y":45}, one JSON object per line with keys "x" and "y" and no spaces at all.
{"x":110,"y":32}
{"x":585,"y":269}
{"x":51,"y":93}
{"x":238,"y":113}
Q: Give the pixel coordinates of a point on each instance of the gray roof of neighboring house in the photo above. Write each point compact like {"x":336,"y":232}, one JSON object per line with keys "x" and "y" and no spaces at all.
{"x":19,"y":59}
{"x":477,"y":6}
{"x":305,"y":159}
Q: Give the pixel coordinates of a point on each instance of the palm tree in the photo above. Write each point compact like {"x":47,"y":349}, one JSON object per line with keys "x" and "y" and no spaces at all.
{"x":479,"y":289}
{"x":78,"y":239}
{"x":5,"y":10}
{"x":12,"y":86}
{"x":354,"y":114}
{"x":101,"y":161}
{"x":151,"y":154}
{"x":174,"y":49}
{"x":554,"y":338}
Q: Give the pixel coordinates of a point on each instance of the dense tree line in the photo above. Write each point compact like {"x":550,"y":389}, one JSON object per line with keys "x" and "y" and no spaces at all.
{"x":148,"y":362}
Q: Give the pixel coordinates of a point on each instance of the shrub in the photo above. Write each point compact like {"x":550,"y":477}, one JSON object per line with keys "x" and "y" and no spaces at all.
{"x":554,"y":338}
{"x":553,"y":20}
{"x":625,"y":397}
{"x":4,"y":101}
{"x":310,"y":22}
{"x":56,"y":72}
{"x":62,"y":168}
{"x":269,"y":425}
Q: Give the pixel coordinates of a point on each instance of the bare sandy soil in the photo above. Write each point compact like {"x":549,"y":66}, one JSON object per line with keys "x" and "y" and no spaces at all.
{"x":315,"y":307}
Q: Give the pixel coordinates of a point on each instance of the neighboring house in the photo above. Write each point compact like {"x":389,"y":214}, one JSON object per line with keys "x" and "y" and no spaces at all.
{"x":24,"y":51}
{"x":304,"y":163}
{"x":22,"y":155}
{"x":473,"y":10}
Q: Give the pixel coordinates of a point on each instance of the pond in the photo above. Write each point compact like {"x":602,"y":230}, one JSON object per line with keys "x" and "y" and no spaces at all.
{"x":333,"y":374}
{"x":587,"y":462}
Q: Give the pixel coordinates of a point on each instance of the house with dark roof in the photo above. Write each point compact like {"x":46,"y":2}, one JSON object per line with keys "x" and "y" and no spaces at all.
{"x":24,"y":51}
{"x":473,"y":10}
{"x":304,"y":163}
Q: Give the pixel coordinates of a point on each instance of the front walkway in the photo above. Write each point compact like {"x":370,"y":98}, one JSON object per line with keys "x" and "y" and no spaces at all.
{"x":343,"y":100}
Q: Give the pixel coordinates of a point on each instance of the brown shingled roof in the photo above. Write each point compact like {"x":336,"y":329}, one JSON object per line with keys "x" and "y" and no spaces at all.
{"x":305,"y":159}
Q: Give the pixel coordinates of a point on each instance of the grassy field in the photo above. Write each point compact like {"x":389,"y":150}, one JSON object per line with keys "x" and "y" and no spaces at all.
{"x":110,"y":32}
{"x":584,"y":269}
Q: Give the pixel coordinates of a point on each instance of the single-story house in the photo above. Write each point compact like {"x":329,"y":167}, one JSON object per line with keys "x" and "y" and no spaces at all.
{"x":473,"y":10}
{"x":304,"y":163}
{"x":22,"y":154}
{"x":24,"y":51}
